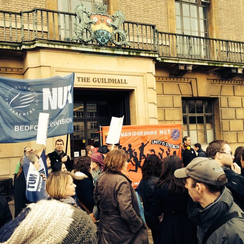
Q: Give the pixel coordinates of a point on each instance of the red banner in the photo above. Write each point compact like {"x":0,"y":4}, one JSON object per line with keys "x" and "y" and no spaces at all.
{"x":140,"y":141}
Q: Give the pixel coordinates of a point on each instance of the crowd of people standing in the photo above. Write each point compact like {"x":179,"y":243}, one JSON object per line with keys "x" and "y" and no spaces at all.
{"x":183,"y":198}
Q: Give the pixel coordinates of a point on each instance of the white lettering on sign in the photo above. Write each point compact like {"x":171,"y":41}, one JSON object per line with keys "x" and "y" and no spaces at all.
{"x":56,"y":97}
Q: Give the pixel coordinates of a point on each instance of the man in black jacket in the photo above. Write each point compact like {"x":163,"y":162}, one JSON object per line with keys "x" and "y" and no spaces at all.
{"x":188,"y":153}
{"x":220,"y":151}
{"x":58,"y":156}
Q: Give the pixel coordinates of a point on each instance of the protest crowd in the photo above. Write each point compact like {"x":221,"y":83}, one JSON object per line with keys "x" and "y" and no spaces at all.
{"x":192,"y":199}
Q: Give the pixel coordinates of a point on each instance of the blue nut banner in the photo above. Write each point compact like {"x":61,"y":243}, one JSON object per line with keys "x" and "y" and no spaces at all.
{"x":21,"y":101}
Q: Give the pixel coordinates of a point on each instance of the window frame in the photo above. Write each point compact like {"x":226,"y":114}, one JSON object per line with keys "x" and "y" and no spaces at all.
{"x":187,"y":114}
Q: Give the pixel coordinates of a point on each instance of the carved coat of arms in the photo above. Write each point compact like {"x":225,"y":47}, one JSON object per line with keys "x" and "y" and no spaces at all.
{"x":100,"y":26}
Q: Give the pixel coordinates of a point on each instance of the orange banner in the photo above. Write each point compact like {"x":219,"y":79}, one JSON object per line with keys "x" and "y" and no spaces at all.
{"x":141,"y":140}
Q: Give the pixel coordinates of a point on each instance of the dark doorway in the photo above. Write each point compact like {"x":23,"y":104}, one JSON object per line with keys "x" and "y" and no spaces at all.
{"x":93,"y":109}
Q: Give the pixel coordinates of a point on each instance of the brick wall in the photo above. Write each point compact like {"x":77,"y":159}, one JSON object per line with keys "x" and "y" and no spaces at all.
{"x":231,"y":19}
{"x":21,"y":5}
{"x":144,"y":11}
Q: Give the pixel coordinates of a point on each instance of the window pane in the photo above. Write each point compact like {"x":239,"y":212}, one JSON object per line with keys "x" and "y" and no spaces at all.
{"x":103,"y":108}
{"x":191,"y":106}
{"x":92,"y":129}
{"x":194,"y":26}
{"x":200,"y":119}
{"x":91,"y":109}
{"x":184,"y":106}
{"x":74,"y":3}
{"x":193,"y":9}
{"x":201,"y":10}
{"x":186,"y":9}
{"x":208,"y":107}
{"x":184,"y":120}
{"x":177,"y":8}
{"x":192,"y":119}
{"x":178,"y":22}
{"x":78,"y":110}
{"x":186,"y":24}
{"x":79,"y":130}
{"x":199,"y":106}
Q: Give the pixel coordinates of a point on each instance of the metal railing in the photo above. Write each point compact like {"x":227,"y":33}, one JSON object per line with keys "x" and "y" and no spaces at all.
{"x":59,"y":26}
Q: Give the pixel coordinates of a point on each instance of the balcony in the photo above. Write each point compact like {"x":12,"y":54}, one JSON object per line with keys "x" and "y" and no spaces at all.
{"x":45,"y":28}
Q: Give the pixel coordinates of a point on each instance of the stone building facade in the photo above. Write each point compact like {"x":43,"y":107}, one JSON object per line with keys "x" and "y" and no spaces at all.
{"x":198,"y":82}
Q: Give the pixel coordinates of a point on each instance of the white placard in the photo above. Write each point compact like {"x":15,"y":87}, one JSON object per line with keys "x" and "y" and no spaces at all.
{"x":76,"y":154}
{"x":42,"y":128}
{"x":114,"y":130}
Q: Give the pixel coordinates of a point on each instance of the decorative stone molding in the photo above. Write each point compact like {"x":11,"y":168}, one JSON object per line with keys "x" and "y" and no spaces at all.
{"x":226,"y":82}
{"x":10,"y":70}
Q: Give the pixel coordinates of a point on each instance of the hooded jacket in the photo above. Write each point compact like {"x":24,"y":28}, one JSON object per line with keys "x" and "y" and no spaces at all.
{"x":229,"y":233}
{"x":84,"y":188}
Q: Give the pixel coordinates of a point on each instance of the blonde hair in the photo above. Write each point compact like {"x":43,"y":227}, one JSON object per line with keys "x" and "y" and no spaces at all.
{"x":56,"y":184}
{"x":115,"y":160}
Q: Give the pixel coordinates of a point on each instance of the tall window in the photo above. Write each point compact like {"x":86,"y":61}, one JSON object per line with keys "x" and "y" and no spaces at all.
{"x":191,"y":19}
{"x":198,"y":120}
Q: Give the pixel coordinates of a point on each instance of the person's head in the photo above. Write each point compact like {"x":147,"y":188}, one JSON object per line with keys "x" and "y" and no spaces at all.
{"x":103,"y":149}
{"x":60,"y":185}
{"x":113,"y":146}
{"x":27,"y":150}
{"x":63,"y":167}
{"x":34,"y":160}
{"x":186,"y":141}
{"x":89,"y":150}
{"x":197,"y":146}
{"x":96,"y":161}
{"x":116,"y":161}
{"x":83,"y":164}
{"x":238,"y":155}
{"x":152,"y":166}
{"x":48,"y":161}
{"x":220,"y":151}
{"x":170,"y":164}
{"x":205,"y":179}
{"x":59,"y":145}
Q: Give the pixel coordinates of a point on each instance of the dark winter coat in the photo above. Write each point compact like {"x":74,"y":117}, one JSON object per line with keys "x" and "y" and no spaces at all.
{"x":146,"y":191}
{"x":201,"y":153}
{"x":56,"y":161}
{"x":231,"y":232}
{"x":120,"y":220}
{"x":84,"y":189}
{"x":176,"y":227}
{"x":188,"y":154}
{"x":236,"y":185}
{"x":5,"y":214}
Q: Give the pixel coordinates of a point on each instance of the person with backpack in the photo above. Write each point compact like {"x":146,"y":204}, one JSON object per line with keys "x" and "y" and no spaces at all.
{"x":220,"y":151}
{"x":219,"y":219}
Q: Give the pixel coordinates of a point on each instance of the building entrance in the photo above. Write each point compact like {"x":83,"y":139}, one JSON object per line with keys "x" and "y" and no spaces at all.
{"x":93,"y":109}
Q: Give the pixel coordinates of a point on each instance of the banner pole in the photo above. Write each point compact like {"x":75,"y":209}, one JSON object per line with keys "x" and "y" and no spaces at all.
{"x":66,"y":148}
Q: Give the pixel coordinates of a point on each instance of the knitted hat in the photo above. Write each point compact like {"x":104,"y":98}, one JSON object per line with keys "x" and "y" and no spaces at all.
{"x":97,"y":158}
{"x":205,"y":170}
{"x":49,"y":221}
